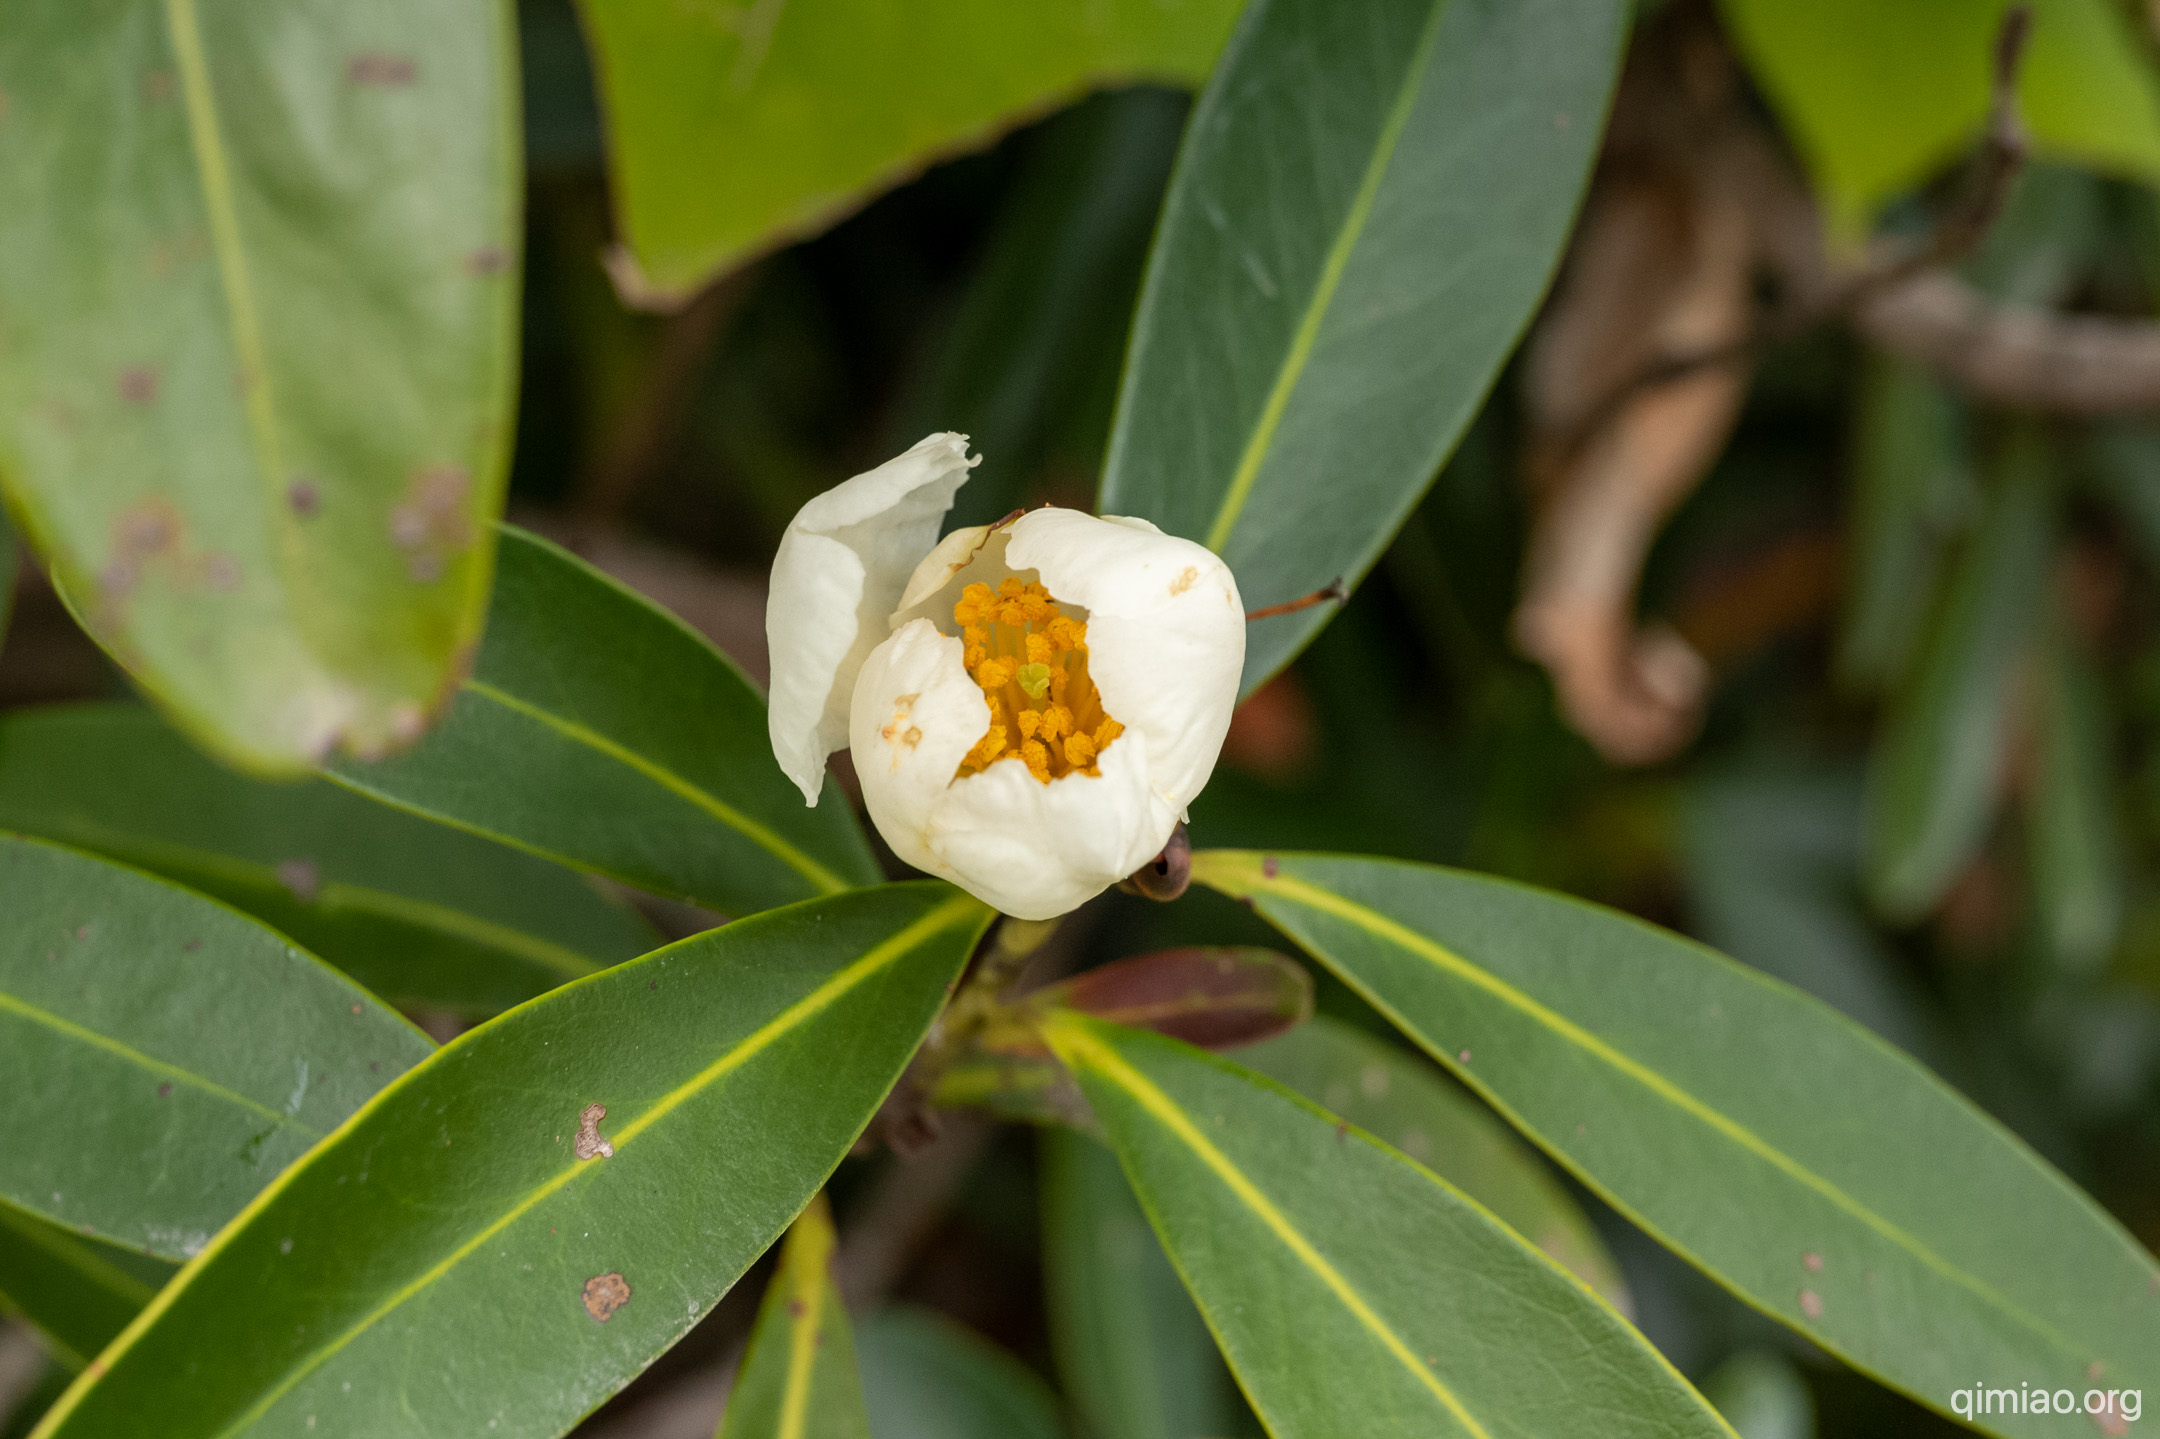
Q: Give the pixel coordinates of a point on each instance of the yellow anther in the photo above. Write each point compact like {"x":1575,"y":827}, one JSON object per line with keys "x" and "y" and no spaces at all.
{"x":1015,"y":635}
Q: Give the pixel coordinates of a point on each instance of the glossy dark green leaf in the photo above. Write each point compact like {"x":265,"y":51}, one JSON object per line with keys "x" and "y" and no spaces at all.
{"x":78,"y":1293}
{"x":925,"y":1377}
{"x":798,"y":1378}
{"x":1878,"y":96}
{"x":1899,"y":1227}
{"x":724,"y":138}
{"x":1936,"y":775}
{"x":1369,"y":205}
{"x":599,"y":731}
{"x":259,"y":282}
{"x":2078,"y":865}
{"x":1352,"y":1292}
{"x":714,"y":1084}
{"x":1132,"y":1352}
{"x":1396,"y":1097}
{"x":164,"y":1056}
{"x":1913,"y":492}
{"x":424,"y":915}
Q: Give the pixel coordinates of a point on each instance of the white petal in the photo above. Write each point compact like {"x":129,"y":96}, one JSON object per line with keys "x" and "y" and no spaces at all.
{"x":1166,"y":634}
{"x":1035,"y":850}
{"x":1032,"y":850}
{"x":915,"y":716}
{"x":842,"y":567}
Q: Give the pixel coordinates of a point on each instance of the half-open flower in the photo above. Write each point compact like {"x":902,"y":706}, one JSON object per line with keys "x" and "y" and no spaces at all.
{"x":1030,"y":706}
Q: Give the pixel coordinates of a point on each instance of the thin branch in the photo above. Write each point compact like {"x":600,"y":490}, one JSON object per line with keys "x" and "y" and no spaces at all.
{"x":1956,"y":233}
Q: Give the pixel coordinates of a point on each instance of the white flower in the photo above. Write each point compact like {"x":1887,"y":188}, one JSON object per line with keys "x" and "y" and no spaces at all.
{"x":1031,"y":706}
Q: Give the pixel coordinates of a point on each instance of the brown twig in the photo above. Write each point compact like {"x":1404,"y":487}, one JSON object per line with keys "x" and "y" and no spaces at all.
{"x":1332,"y":590}
{"x":1956,"y":232}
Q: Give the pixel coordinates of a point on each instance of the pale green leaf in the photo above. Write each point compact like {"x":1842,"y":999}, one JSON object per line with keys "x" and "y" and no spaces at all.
{"x":727,"y":133}
{"x":259,"y":283}
{"x":1878,"y":96}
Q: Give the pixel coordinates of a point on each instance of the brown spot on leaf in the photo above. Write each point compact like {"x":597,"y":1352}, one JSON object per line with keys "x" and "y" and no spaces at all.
{"x":304,"y":498}
{"x":604,"y":1294}
{"x":589,"y":1144}
{"x":487,"y":260}
{"x":138,"y":384}
{"x":372,"y":67}
{"x":301,"y":878}
{"x":430,"y":523}
{"x":157,"y":85}
{"x":221,"y":572}
{"x":192,"y":945}
{"x":796,"y":1309}
{"x":1812,"y":1262}
{"x":1270,"y":866}
{"x":1811,"y":1304}
{"x":164,"y":1091}
{"x":1464,"y":1056}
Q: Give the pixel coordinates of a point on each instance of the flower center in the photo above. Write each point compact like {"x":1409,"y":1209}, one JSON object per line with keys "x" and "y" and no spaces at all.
{"x":1031,"y":660}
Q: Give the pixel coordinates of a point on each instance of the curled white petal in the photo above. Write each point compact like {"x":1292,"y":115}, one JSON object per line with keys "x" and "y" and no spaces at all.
{"x":1166,"y":634}
{"x":1033,"y":850}
{"x":842,"y":567}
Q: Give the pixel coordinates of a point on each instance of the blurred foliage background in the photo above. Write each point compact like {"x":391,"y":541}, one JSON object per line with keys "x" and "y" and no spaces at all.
{"x":1897,"y":643}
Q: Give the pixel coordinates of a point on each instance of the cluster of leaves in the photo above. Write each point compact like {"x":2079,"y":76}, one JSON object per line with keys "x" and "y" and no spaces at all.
{"x":259,"y":291}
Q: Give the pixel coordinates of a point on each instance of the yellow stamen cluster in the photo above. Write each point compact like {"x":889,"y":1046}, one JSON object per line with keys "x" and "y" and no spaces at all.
{"x":1031,"y":661}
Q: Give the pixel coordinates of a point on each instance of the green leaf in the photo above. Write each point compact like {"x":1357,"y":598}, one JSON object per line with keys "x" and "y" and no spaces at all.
{"x":1900,"y":1228}
{"x":1352,"y":1292}
{"x":599,"y":731}
{"x":1877,"y":97}
{"x":727,"y":137}
{"x":77,"y":1293}
{"x":1913,"y":491}
{"x":420,"y":913}
{"x":798,"y":1379}
{"x":925,"y":1377}
{"x":1762,"y":1395}
{"x":260,"y":285}
{"x":715,"y":1083}
{"x":1369,"y":205}
{"x":164,"y":1057}
{"x":2076,"y":840}
{"x":1936,"y":774}
{"x":1399,"y":1100}
{"x":1132,"y":1351}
